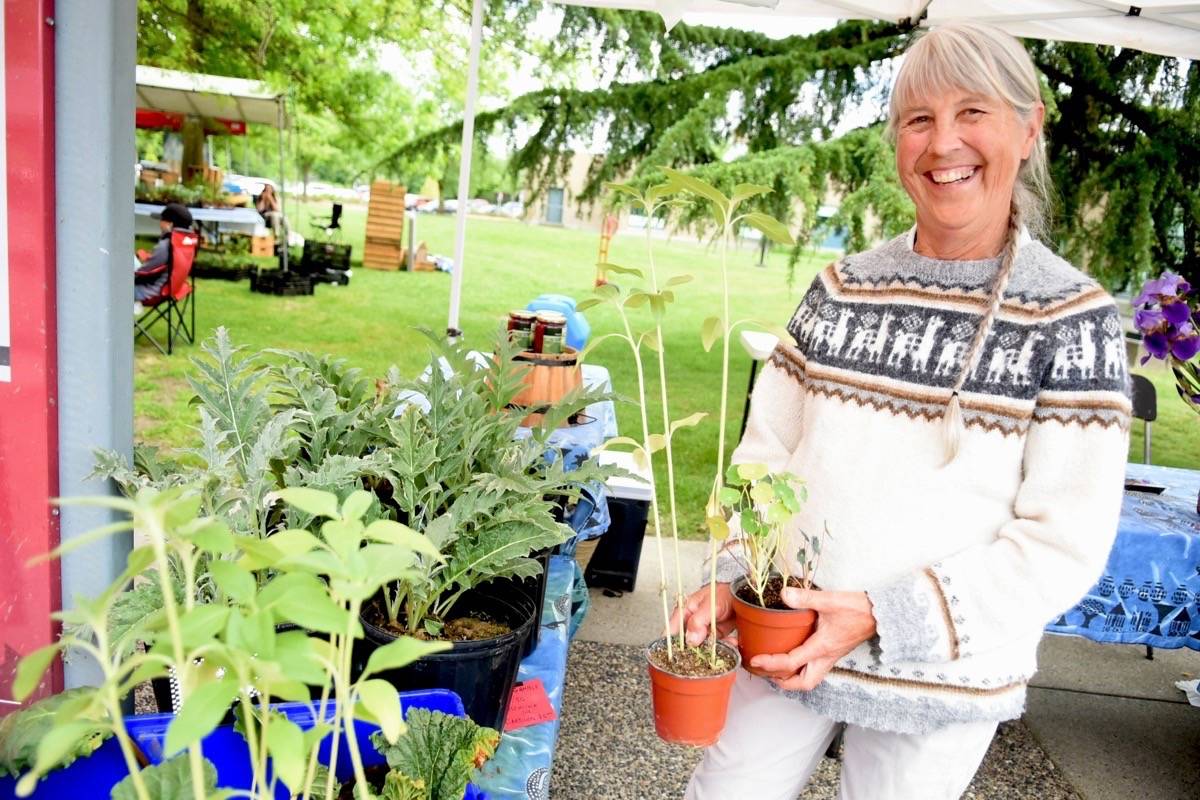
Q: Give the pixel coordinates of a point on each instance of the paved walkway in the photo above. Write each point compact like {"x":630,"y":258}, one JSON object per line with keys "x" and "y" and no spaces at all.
{"x":1101,"y":722}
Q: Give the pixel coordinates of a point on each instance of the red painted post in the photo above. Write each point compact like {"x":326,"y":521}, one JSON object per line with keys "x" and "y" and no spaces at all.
{"x":28,"y":400}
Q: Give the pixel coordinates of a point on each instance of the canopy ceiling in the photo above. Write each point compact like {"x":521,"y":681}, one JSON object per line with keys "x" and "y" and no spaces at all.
{"x":212,"y":96}
{"x":1155,"y":26}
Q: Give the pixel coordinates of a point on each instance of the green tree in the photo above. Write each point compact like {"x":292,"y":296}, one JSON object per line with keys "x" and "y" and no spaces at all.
{"x":1124,"y":129}
{"x":347,"y":110}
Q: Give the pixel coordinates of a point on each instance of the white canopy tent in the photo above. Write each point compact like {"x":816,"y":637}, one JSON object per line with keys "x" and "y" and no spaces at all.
{"x":1164,"y":27}
{"x":210,"y":96}
{"x":218,"y":97}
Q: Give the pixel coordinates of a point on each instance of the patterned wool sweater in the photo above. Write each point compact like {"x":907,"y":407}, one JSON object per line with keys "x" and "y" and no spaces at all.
{"x":964,"y":563}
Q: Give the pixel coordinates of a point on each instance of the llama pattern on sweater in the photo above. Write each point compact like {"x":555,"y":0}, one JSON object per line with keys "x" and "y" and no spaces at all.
{"x":1056,"y":332}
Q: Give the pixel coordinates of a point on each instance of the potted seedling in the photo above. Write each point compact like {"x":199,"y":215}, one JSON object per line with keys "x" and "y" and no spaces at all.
{"x":229,"y":651}
{"x":690,"y":684}
{"x":764,"y":506}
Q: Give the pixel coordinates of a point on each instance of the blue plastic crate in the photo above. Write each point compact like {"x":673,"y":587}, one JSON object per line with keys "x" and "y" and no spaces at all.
{"x":92,"y":778}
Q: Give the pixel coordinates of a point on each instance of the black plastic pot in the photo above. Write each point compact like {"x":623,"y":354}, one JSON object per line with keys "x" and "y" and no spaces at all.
{"x":481,"y":672}
{"x":521,"y":594}
{"x":533,"y":591}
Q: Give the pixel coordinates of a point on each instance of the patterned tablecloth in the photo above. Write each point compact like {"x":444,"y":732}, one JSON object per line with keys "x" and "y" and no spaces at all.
{"x":521,"y":767}
{"x":1150,"y":590}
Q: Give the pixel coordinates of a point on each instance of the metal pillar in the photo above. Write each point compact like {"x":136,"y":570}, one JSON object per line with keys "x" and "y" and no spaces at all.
{"x":95,"y":53}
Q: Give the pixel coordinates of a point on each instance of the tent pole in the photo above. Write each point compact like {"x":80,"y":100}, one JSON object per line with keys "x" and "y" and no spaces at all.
{"x":283,"y":250}
{"x":464,"y":170}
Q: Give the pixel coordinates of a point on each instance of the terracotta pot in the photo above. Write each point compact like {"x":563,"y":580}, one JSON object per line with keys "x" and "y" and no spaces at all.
{"x":768,"y":631}
{"x":687,"y":710}
{"x":550,"y":378}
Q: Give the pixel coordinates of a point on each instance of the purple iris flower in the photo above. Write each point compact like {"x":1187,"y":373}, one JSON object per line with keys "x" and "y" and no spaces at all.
{"x":1157,"y":345}
{"x":1185,"y":347}
{"x":1147,"y":319}
{"x":1176,"y":312}
{"x":1166,"y":285}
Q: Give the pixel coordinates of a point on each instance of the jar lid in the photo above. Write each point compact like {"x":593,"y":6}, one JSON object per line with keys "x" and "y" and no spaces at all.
{"x":528,"y":316}
{"x":552,"y":318}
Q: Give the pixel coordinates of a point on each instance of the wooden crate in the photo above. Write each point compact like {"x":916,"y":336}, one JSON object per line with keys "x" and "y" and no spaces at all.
{"x":262,"y":245}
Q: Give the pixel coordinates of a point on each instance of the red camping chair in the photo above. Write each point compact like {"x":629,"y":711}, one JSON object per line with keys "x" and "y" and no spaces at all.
{"x":176,"y":301}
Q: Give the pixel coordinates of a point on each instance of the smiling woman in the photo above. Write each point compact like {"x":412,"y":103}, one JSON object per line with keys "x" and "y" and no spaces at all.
{"x":955,"y":400}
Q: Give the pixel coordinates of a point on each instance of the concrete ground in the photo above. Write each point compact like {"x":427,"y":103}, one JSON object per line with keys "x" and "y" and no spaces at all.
{"x":1101,"y":723}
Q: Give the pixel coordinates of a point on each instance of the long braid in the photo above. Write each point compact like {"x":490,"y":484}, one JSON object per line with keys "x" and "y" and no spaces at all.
{"x":952,"y":422}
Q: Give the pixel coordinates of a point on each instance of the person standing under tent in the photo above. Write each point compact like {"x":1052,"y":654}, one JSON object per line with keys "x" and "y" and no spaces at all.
{"x":967,"y":451}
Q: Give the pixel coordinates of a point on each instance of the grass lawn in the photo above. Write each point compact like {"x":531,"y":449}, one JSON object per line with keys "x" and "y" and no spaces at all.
{"x":372,"y":323}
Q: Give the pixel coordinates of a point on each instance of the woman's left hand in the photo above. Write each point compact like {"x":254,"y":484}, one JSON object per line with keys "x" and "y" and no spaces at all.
{"x":844,"y":621}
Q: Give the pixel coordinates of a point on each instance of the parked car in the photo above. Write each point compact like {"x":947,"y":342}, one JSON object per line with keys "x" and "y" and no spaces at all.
{"x":513,"y":208}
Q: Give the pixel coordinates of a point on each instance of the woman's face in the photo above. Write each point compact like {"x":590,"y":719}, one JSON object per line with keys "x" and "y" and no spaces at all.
{"x":958,"y":155}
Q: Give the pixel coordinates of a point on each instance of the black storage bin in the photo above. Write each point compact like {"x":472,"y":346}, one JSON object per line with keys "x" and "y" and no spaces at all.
{"x":321,"y":256}
{"x":614,"y":565}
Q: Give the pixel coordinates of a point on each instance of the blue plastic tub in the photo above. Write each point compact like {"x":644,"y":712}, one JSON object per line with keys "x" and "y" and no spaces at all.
{"x":92,"y":778}
{"x":83,"y":779}
{"x":578,"y":329}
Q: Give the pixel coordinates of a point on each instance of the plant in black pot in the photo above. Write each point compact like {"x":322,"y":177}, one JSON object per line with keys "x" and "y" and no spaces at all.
{"x":460,"y":472}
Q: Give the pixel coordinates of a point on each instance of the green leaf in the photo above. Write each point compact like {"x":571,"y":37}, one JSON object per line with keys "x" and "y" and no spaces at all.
{"x":30,"y":670}
{"x":170,"y":780}
{"x":744,"y":191}
{"x":405,"y":650}
{"x":690,"y":421}
{"x":213,"y":536}
{"x":636,"y":299}
{"x":718,"y":528}
{"x":729,"y":497}
{"x":620,"y":270}
{"x":658,"y":306}
{"x":23,"y":729}
{"x":307,"y":604}
{"x":623,"y":188}
{"x":285,"y":743}
{"x":198,"y":626}
{"x":202,"y":711}
{"x":62,"y":743}
{"x":718,"y":202}
{"x":231,"y":579}
{"x":651,"y":340}
{"x":588,"y":302}
{"x":391,"y":532}
{"x":751,"y":471}
{"x":439,"y":752}
{"x":680,"y":279}
{"x":762,"y":493}
{"x":710,"y":332}
{"x":357,"y":504}
{"x":182,"y":511}
{"x":655,"y":442}
{"x":380,"y":700}
{"x":294,"y":542}
{"x":311,"y":501}
{"x":772,"y":228}
{"x":606,"y":291}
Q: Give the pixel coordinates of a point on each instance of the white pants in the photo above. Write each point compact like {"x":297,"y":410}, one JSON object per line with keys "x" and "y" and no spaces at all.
{"x":771,"y":745}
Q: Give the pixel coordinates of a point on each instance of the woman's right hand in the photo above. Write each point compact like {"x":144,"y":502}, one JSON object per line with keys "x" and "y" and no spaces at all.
{"x":696,"y":617}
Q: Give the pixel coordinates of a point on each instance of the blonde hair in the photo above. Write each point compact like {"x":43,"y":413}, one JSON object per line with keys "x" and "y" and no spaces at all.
{"x":987,"y":61}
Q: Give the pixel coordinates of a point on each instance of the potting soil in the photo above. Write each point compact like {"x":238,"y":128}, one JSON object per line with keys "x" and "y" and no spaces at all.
{"x":692,"y":662}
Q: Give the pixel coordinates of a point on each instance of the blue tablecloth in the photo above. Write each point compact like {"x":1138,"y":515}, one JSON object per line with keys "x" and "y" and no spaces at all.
{"x":521,"y":766}
{"x":1150,"y":590}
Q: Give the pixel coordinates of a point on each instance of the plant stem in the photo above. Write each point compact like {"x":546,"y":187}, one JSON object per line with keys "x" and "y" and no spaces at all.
{"x":725,"y":328}
{"x":360,"y":776}
{"x":666,"y":413}
{"x":113,"y":704}
{"x":662,"y":564}
{"x":158,"y":541}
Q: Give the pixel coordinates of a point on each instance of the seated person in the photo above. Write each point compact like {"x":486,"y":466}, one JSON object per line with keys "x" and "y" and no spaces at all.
{"x":150,"y":275}
{"x":269,"y":207}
